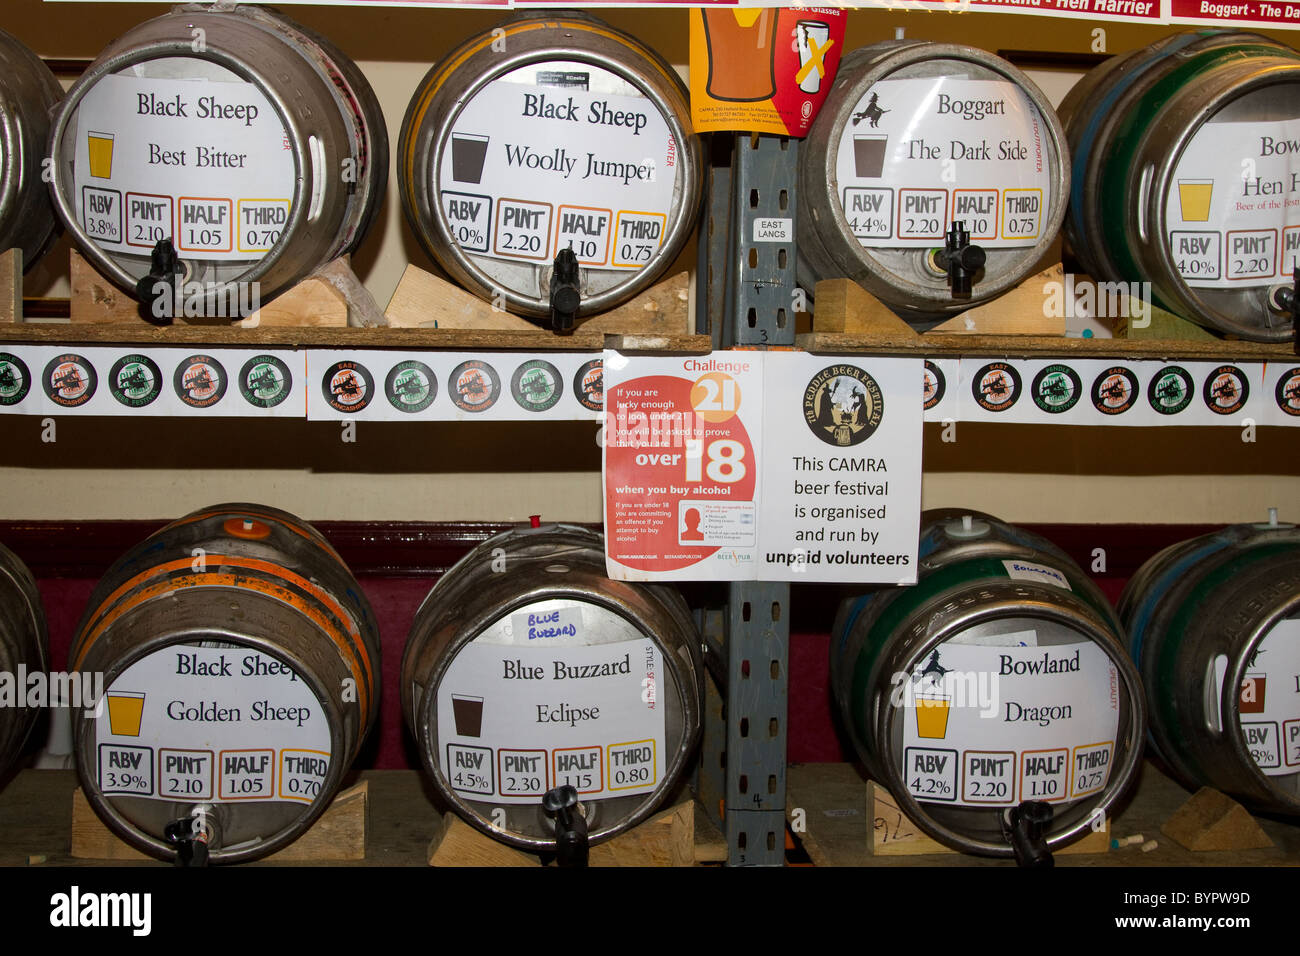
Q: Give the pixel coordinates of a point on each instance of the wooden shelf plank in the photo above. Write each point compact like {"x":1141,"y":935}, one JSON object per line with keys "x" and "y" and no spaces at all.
{"x":467,"y":340}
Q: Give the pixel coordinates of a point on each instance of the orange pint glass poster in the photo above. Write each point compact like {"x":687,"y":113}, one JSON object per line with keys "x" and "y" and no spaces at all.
{"x":763,"y":70}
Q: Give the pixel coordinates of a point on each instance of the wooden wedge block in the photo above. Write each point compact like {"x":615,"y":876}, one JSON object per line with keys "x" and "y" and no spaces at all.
{"x":1021,"y":311}
{"x":313,"y":302}
{"x":94,"y":299}
{"x":844,"y":306}
{"x":1211,"y":820}
{"x":339,"y":833}
{"x":423,"y":300}
{"x":459,"y":844}
{"x":11,"y":286}
{"x":666,"y":839}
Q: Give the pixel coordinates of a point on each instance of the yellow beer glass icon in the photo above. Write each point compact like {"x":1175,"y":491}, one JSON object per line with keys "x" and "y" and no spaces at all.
{"x":1194,"y":198}
{"x":125,"y":709}
{"x":101,"y":154}
{"x":932,"y":716}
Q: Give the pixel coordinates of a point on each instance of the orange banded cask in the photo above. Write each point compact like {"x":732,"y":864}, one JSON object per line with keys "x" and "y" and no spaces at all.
{"x":241,"y":667}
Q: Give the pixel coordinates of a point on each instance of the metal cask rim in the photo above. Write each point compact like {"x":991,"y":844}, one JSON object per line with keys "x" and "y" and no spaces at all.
{"x":318,"y":112}
{"x":286,"y":596}
{"x":832,"y":251}
{"x":469,"y":69}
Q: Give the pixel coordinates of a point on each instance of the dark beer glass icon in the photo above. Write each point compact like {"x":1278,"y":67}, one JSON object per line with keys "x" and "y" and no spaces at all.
{"x":741,"y":47}
{"x":869,"y":154}
{"x":468,"y":154}
{"x":468,"y":712}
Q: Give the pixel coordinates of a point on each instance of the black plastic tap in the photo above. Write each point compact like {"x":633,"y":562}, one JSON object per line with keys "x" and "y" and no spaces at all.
{"x":571,"y":847}
{"x":157,"y":290}
{"x":1025,"y":828}
{"x":960,"y":259}
{"x":566,"y":293}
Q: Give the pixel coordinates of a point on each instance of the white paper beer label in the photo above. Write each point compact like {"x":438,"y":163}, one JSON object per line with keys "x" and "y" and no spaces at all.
{"x":520,"y":712}
{"x":213,"y":725}
{"x":533,"y":165}
{"x":203,"y":162}
{"x":1269,"y":701}
{"x":1027,"y":571}
{"x":986,"y":725}
{"x":1234,"y":214}
{"x":918,"y":154}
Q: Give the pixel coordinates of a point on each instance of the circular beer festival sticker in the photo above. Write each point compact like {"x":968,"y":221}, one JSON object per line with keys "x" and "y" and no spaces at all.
{"x":935,"y":385}
{"x":537,"y":385}
{"x":200,"y":381}
{"x":15,"y":379}
{"x":1287,"y":394}
{"x":1171,"y":390}
{"x":996,"y":386}
{"x":589,"y":385}
{"x":411,"y":386}
{"x":1226,"y":390}
{"x":1056,"y":389}
{"x":474,"y":386}
{"x":348,"y":386}
{"x":1115,"y":390}
{"x":843,"y":405}
{"x":265,"y":381}
{"x":70,"y":380}
{"x":135,"y":380}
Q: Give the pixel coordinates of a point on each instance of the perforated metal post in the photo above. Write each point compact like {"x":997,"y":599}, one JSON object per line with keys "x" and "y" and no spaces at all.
{"x":760,"y":275}
{"x":759,"y":312}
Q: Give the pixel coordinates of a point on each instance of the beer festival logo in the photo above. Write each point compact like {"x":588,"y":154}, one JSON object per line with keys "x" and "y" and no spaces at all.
{"x":411,"y":386}
{"x":348,"y":386}
{"x":996,"y":386}
{"x":1226,"y":390}
{"x":474,"y":386}
{"x":843,"y":405}
{"x":935,"y":385}
{"x":1171,"y":390}
{"x":589,"y":385}
{"x":265,"y":381}
{"x":536,"y":385}
{"x":200,"y":381}
{"x":70,"y":380}
{"x":1056,"y":389}
{"x":135,"y":380}
{"x":1115,"y":390}
{"x":1287,"y":393}
{"x":15,"y":379}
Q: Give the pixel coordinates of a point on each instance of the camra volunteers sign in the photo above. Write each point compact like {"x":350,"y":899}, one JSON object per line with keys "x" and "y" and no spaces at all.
{"x":762,"y":466}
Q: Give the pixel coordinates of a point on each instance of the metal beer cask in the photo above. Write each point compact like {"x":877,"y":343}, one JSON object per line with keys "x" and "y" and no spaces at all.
{"x":500,"y":162}
{"x":23,"y":649}
{"x":241,"y":667}
{"x":1214,"y":626}
{"x":1003,"y":621}
{"x":28,"y":92}
{"x":508,"y":656}
{"x":274,"y":115}
{"x":877,"y":178}
{"x":1157,"y":198}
